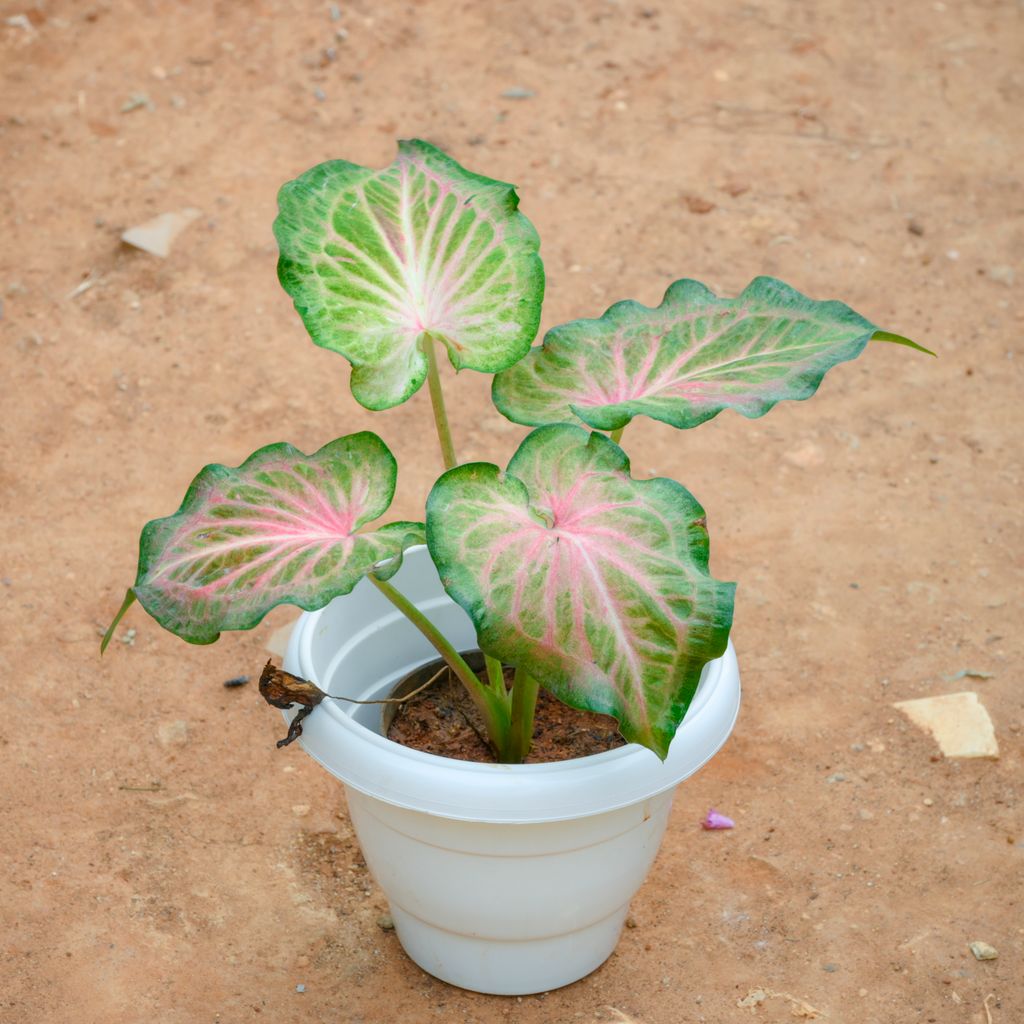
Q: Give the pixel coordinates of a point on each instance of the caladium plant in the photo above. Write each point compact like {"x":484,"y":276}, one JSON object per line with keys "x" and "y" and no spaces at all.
{"x":590,"y":583}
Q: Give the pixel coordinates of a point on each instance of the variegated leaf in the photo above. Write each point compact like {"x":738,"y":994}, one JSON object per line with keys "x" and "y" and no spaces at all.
{"x":375,"y":260}
{"x":595,"y":583}
{"x":686,"y":360}
{"x":281,"y":528}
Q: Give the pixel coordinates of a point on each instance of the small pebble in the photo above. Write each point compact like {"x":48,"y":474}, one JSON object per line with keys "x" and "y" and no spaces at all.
{"x":319,"y":94}
{"x":982,"y":950}
{"x":830,"y":968}
{"x":697,"y":204}
{"x":630,"y":922}
{"x":928,"y":801}
{"x":517,"y":92}
{"x":300,"y":988}
{"x":20,"y":21}
{"x":236,"y":681}
{"x":837,"y":777}
{"x":386,"y":923}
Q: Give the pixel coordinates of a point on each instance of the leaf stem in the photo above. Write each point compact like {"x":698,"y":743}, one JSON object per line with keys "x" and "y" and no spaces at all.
{"x":524,"y":702}
{"x":493,"y":708}
{"x":444,"y":434}
{"x":616,"y":435}
{"x":496,"y":675}
{"x":129,"y":600}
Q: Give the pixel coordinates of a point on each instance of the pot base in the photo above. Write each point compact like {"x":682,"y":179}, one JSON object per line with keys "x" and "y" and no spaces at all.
{"x":502,"y":968}
{"x":509,"y":909}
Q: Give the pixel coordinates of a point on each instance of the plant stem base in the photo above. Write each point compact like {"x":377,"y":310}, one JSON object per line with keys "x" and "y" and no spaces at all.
{"x":443,"y":720}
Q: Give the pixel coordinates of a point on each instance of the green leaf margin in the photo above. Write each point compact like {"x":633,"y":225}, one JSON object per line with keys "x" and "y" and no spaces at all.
{"x":152,"y":533}
{"x":458,"y":581}
{"x":619,"y":415}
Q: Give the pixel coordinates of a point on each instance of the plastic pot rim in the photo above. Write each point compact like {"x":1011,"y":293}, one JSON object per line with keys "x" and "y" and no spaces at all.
{"x":521,"y":794}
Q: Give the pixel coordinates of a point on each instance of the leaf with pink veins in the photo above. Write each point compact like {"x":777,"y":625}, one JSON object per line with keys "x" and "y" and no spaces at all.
{"x":282,"y":528}
{"x":593,"y":582}
{"x":375,"y":261}
{"x":686,"y":360}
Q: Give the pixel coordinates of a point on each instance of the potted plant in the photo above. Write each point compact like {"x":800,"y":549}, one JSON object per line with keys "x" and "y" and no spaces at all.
{"x":570,"y":575}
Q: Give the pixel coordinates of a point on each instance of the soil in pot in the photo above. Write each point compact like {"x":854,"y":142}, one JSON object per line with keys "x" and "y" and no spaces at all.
{"x":442,"y":720}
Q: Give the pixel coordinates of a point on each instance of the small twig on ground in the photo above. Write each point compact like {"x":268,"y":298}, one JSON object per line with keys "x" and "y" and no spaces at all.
{"x":622,"y":1017}
{"x":84,"y":286}
{"x":988,"y":1012}
{"x":798,"y":1007}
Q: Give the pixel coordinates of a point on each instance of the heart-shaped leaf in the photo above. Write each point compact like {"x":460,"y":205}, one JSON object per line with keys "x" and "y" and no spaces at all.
{"x":281,"y":528}
{"x":593,"y":582}
{"x":377,"y":259}
{"x":686,"y":360}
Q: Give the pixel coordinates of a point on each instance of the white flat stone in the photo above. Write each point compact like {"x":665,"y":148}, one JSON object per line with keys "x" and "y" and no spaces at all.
{"x":958,"y":722}
{"x":156,"y":236}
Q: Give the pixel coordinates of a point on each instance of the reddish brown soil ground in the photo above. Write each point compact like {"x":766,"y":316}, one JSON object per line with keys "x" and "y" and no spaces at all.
{"x":162,"y":861}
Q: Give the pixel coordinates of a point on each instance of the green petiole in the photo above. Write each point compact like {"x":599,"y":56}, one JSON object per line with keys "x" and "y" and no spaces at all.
{"x":493,"y":708}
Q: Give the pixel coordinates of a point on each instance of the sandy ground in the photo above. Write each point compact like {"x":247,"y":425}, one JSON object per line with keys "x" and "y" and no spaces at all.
{"x":162,"y":861}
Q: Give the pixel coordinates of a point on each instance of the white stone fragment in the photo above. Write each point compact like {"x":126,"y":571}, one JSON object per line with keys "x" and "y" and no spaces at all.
{"x":156,"y":236}
{"x":958,"y":722}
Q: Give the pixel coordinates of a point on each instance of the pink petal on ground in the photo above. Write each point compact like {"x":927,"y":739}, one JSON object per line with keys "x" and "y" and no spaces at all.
{"x":716,"y":820}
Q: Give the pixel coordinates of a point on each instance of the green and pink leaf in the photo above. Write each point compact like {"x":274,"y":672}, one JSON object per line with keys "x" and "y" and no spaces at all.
{"x":283,"y":527}
{"x":375,"y":260}
{"x":686,"y":360}
{"x":593,"y":582}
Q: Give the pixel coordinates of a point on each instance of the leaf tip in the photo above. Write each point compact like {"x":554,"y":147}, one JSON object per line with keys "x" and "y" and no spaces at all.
{"x":898,"y":339}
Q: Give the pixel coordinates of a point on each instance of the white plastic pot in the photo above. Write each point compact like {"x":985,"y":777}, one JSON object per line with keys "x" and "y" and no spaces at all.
{"x":504,"y":879}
